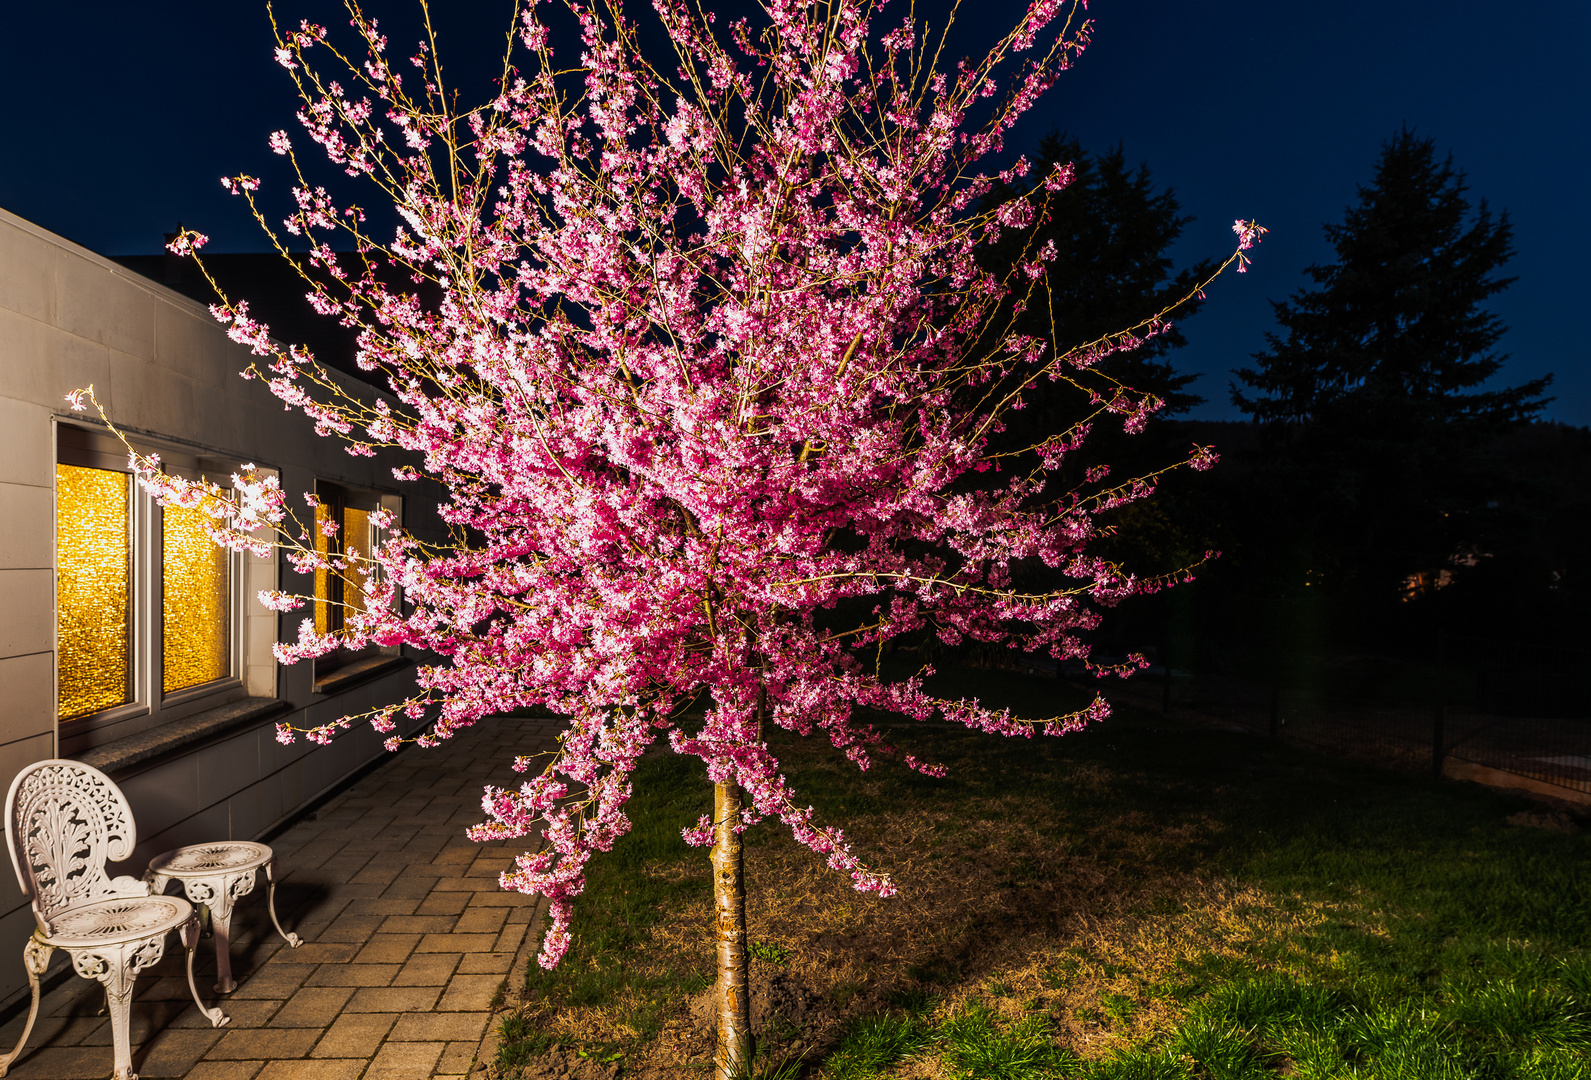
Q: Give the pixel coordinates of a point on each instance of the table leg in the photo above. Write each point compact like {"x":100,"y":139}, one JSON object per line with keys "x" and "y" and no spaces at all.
{"x":293,"y":940}
{"x":189,"y":932}
{"x":216,"y":895}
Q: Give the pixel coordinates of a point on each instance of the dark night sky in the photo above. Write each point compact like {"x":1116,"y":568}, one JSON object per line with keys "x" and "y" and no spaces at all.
{"x":121,"y":117}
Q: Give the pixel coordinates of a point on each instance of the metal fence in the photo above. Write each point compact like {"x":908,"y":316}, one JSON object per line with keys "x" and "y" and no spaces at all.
{"x":1522,"y":710}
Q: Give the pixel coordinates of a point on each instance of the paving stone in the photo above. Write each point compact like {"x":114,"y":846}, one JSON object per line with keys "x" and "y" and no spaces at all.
{"x":64,"y":1063}
{"x":440,"y":1026}
{"x":486,"y":963}
{"x":313,"y":1006}
{"x":172,"y":988}
{"x":397,"y":905}
{"x":511,"y":938}
{"x":481,"y":920}
{"x":311,"y":856}
{"x":419,"y":924}
{"x":243,"y":1015}
{"x":331,"y":953}
{"x":147,"y":1019}
{"x":225,"y":1070}
{"x":176,"y":1052}
{"x":351,"y":928}
{"x":427,"y":969}
{"x":343,"y":867}
{"x":456,"y":884}
{"x":354,"y":974}
{"x":269,"y":1044}
{"x":424,"y":840}
{"x":504,"y":898}
{"x":452,"y":903}
{"x":387,"y":949}
{"x":274,"y":980}
{"x":394,"y":999}
{"x":52,"y":1030}
{"x":491,"y":868}
{"x":330,"y":1069}
{"x":457,"y":1058}
{"x":354,"y":1035}
{"x":378,"y":872}
{"x":457,"y":943}
{"x":467,"y":993}
{"x":405,"y":1061}
{"x":410,"y":885}
{"x":340,"y":888}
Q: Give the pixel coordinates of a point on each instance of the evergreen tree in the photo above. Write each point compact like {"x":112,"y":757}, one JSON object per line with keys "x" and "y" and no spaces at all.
{"x":1111,"y":230}
{"x":1371,"y":397}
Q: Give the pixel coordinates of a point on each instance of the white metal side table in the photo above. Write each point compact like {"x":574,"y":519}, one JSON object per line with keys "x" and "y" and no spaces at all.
{"x":216,"y":876}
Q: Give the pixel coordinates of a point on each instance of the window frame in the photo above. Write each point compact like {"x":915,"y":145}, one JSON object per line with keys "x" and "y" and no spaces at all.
{"x":149,"y":702}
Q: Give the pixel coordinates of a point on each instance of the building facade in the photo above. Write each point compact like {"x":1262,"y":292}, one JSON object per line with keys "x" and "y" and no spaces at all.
{"x":130,"y":641}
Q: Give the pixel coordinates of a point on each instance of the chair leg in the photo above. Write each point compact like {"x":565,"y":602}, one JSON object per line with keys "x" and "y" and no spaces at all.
{"x":293,"y":940}
{"x":118,"y":977}
{"x":190,"y":937}
{"x":36,"y":956}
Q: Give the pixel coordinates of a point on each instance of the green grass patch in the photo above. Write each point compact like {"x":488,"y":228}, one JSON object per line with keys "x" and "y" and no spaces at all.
{"x":1258,"y":1029}
{"x":1370,"y":924}
{"x":769,"y":952}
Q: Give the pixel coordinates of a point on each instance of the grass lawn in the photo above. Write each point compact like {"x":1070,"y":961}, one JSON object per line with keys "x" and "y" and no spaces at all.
{"x":1146,"y":899}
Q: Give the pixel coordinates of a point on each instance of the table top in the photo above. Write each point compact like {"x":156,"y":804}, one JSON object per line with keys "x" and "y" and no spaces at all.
{"x":203,"y":860}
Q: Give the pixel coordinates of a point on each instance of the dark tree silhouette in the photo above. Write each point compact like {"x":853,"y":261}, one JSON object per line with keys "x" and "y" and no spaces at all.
{"x":1372,"y":398}
{"x":1112,"y":230}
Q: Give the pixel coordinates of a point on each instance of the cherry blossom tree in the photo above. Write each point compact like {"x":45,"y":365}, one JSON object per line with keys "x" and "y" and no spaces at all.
{"x":713,"y":369}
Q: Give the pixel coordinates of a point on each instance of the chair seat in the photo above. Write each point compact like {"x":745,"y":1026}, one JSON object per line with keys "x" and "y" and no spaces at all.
{"x":226,"y":857}
{"x":117,"y":921}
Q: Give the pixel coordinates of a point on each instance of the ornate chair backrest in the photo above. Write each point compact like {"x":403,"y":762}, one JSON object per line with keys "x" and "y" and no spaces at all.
{"x":63,"y":820}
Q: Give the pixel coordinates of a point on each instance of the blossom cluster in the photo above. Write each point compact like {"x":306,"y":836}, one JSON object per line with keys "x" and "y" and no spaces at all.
{"x":709,"y":375}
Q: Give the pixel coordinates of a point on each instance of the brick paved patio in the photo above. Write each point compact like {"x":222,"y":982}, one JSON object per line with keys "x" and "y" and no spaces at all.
{"x":407,"y":940}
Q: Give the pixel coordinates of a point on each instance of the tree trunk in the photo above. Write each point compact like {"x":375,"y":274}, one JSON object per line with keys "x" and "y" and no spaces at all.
{"x":733,"y":991}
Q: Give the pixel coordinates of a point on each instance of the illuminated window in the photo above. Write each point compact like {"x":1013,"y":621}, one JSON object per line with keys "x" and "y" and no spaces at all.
{"x":146,"y":602}
{"x":359,"y":534}
{"x":196,"y":598}
{"x":339,"y":594}
{"x":93,"y":589}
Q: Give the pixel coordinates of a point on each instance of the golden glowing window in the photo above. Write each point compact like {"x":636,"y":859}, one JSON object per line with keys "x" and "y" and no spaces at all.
{"x":196,"y":599}
{"x":356,"y":535}
{"x":93,"y":588}
{"x":325,"y":580}
{"x":337,"y":594}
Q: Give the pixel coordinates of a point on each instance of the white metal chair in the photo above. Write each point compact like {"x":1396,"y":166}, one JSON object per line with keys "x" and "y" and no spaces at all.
{"x":64,"y":820}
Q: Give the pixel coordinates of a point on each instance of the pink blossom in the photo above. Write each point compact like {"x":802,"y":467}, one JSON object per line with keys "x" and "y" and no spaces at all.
{"x":186,"y":242}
